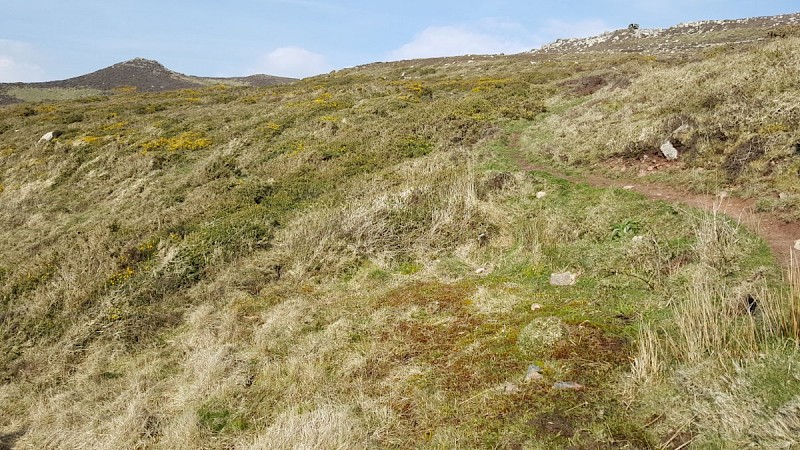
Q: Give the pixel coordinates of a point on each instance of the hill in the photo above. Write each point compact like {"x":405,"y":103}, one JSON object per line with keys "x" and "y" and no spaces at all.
{"x":413,"y":254}
{"x":141,"y":74}
{"x":684,"y":38}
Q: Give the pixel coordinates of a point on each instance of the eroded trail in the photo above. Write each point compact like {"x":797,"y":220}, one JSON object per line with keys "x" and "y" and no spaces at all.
{"x":780,"y":235}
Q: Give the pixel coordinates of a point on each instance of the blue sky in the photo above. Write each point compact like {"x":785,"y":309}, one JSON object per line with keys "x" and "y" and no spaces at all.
{"x":56,"y":39}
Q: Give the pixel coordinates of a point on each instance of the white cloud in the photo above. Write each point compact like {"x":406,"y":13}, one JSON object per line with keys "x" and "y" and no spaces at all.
{"x":455,"y":41}
{"x":293,"y":62}
{"x":491,"y":36}
{"x":17,"y":62}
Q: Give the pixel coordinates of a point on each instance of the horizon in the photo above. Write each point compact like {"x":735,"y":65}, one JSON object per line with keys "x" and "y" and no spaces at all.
{"x":300,"y":38}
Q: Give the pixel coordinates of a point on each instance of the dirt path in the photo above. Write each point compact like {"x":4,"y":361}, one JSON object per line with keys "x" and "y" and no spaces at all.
{"x":781,"y":236}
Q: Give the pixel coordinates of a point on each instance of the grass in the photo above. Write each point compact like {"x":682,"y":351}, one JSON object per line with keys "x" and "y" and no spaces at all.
{"x":30,"y":94}
{"x":354,"y":260}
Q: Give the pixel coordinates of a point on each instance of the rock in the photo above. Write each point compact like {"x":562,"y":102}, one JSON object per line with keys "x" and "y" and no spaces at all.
{"x":783,"y":196}
{"x":540,"y":195}
{"x":47,"y":137}
{"x":669,"y":151}
{"x":536,"y":307}
{"x":534,"y":374}
{"x":628,"y":187}
{"x":637,"y":239}
{"x":568,"y":385}
{"x":533,"y":377}
{"x":797,"y":245}
{"x":563,"y":279}
{"x":509,"y":388}
{"x":480,"y":271}
{"x":722,"y":194}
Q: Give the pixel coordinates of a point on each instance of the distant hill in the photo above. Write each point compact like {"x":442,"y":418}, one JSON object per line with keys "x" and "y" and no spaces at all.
{"x":144,"y":75}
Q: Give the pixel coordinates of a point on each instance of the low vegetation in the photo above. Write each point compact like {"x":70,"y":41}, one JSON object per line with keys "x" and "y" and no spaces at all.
{"x":357,"y":260}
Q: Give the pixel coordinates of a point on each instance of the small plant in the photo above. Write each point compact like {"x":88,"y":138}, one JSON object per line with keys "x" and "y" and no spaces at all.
{"x":624,"y":228}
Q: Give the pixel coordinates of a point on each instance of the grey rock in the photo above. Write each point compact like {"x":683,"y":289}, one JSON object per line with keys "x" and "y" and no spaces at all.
{"x":563,"y":279}
{"x":669,"y":151}
{"x":534,"y":374}
{"x":568,"y":385}
{"x":47,"y":137}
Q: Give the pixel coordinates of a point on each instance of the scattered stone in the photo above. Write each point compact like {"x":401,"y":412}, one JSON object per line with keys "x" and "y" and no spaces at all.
{"x":628,"y":187}
{"x":797,"y":245}
{"x":540,"y":195}
{"x":509,"y":388}
{"x":568,"y":385}
{"x":563,"y":279}
{"x":669,"y":151}
{"x":637,"y":239}
{"x":480,"y":271}
{"x":47,"y":137}
{"x":534,"y":374}
{"x":533,"y":377}
{"x":536,"y":307}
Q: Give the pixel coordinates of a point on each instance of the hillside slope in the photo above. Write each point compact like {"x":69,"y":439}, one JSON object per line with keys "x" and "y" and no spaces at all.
{"x":364,"y":260}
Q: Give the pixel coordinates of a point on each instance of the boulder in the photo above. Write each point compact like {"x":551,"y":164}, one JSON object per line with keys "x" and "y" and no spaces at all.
{"x":669,"y":151}
{"x":47,"y":137}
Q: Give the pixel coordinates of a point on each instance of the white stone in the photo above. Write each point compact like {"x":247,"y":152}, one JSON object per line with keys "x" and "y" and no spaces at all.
{"x":536,"y":307}
{"x":637,"y":239}
{"x":480,"y":271}
{"x":797,"y":245}
{"x":628,"y":188}
{"x":540,"y":195}
{"x":669,"y":151}
{"x":563,"y":279}
{"x":47,"y":137}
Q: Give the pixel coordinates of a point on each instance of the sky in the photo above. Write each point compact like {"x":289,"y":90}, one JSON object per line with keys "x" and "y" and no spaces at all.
{"x":43,"y":40}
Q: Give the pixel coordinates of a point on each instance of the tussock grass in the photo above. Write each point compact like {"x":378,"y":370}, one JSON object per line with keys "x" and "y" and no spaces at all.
{"x":731,"y":110}
{"x":725,"y":355}
{"x":352,"y":261}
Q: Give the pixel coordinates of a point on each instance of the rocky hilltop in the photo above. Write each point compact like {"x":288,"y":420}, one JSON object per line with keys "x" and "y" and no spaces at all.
{"x":681,"y":38}
{"x":145,"y":75}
